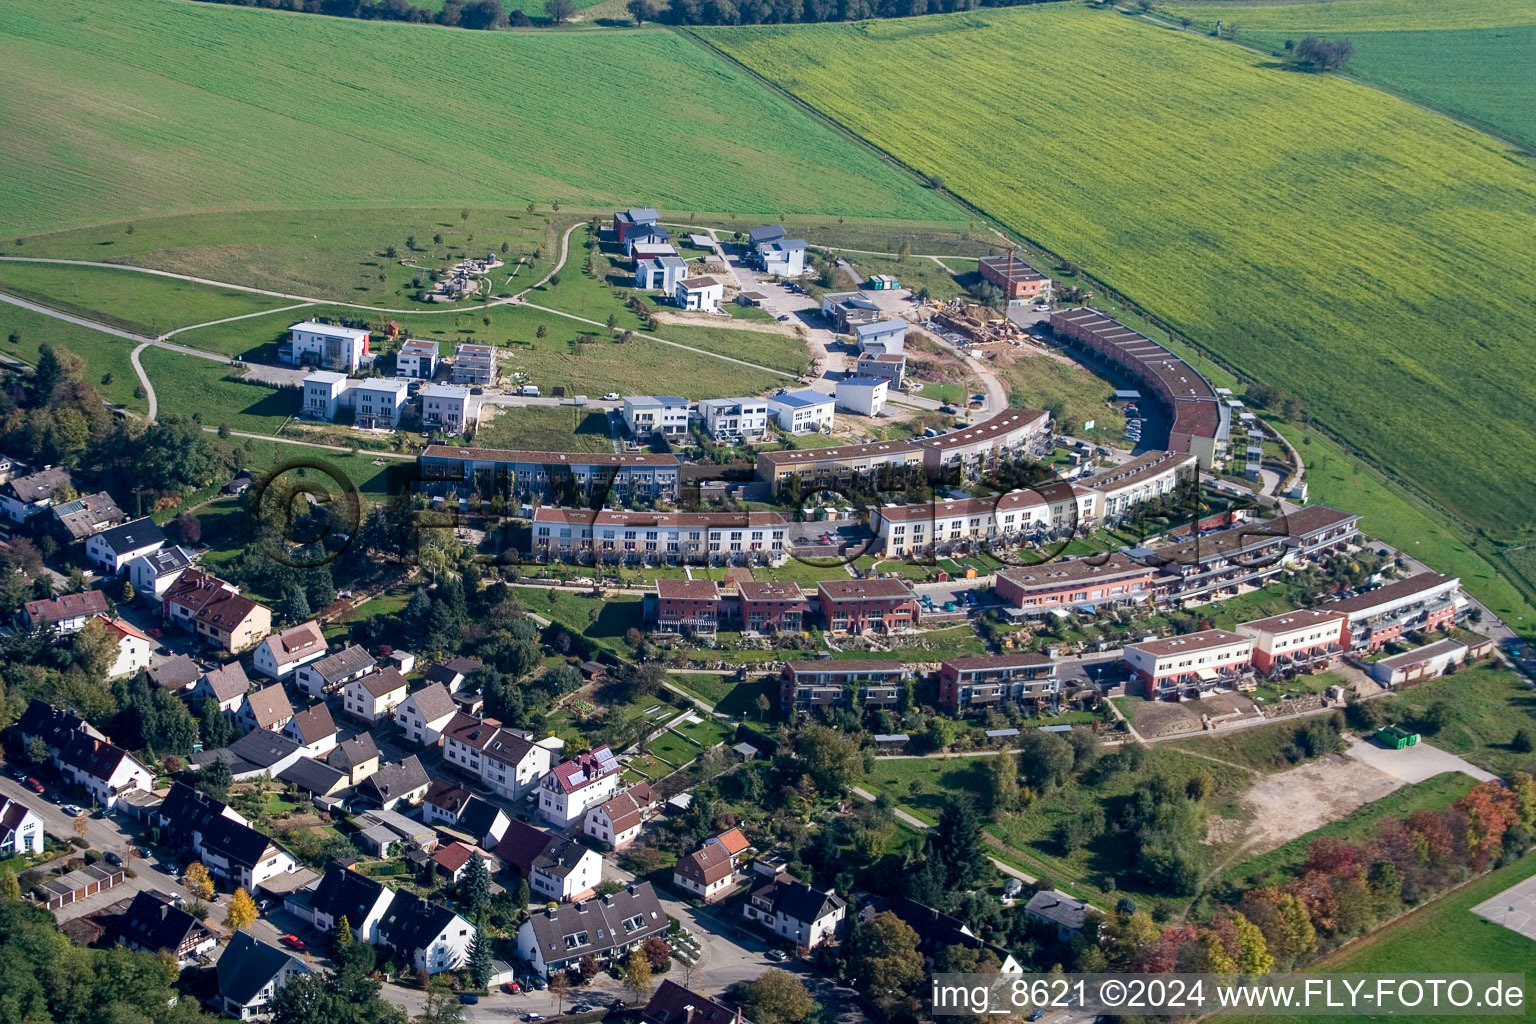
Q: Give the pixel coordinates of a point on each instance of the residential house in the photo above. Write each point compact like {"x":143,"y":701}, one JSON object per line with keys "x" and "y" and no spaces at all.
{"x":314,"y":729}
{"x":983,"y":446}
{"x":393,"y":783}
{"x":474,"y":365}
{"x":375,"y":695}
{"x":986,"y":683}
{"x":133,"y":648}
{"x":689,"y":607}
{"x":802,"y":412}
{"x":54,"y":727}
{"x":154,"y":924}
{"x":890,"y":367}
{"x":86,"y":516}
{"x":259,"y":753}
{"x":666,"y":415}
{"x":784,"y":257}
{"x":1421,"y":603}
{"x":1018,"y":280}
{"x":329,"y":346}
{"x":452,"y":673}
{"x":1420,"y":664}
{"x":606,"y":928}
{"x":575,"y":786}
{"x":790,"y":909}
{"x":671,"y":1003}
{"x":112,"y":549}
{"x":699,"y":293}
{"x":102,"y":769}
{"x":877,"y":684}
{"x":450,"y":408}
{"x":1123,"y":488}
{"x":226,"y":684}
{"x":707,"y":873}
{"x":429,"y":936}
{"x":555,"y":867}
{"x":21,"y":829}
{"x":660,"y":274}
{"x":734,"y":842}
{"x":315,"y":778}
{"x":868,"y":605}
{"x":938,"y":932}
{"x":689,"y":538}
{"x":617,"y":822}
{"x":176,"y":674}
{"x":67,"y":613}
{"x":267,"y":708}
{"x":1115,"y":581}
{"x":282,"y":654}
{"x":637,"y":476}
{"x":329,"y":673}
{"x":881,"y":337}
{"x":153,"y":574}
{"x":1304,"y":640}
{"x":187,"y":813}
{"x":765,"y":234}
{"x":745,"y":418}
{"x":250,"y":974}
{"x":465,"y":813}
{"x":377,"y":403}
{"x":454,"y":857}
{"x":325,"y":394}
{"x":629,"y":224}
{"x":343,"y":893}
{"x":769,"y":608}
{"x":422,"y":715}
{"x":847,"y":310}
{"x":358,"y":757}
{"x":842,"y":464}
{"x":241,"y":855}
{"x":863,"y":395}
{"x":506,"y":760}
{"x":1058,"y":910}
{"x":215,"y":611}
{"x":22,"y":497}
{"x":1189,"y":664}
{"x":417,"y":359}
{"x":383,"y":828}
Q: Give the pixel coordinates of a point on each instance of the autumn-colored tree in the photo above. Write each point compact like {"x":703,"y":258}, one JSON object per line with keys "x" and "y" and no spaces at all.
{"x":81,"y":825}
{"x":559,"y":988}
{"x":1207,"y":955}
{"x":242,"y":910}
{"x":1522,"y":792}
{"x":637,"y":974}
{"x":777,"y":997}
{"x":10,"y":886}
{"x":1487,"y":810}
{"x":658,"y":952}
{"x":1252,"y":951}
{"x":197,"y":881}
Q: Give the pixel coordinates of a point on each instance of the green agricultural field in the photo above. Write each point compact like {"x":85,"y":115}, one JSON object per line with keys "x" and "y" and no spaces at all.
{"x":1442,"y":937}
{"x":1453,"y":56}
{"x":107,"y":366}
{"x":335,"y":254}
{"x":1380,"y":251}
{"x":140,"y":303}
{"x":138,"y":107}
{"x":544,"y":429}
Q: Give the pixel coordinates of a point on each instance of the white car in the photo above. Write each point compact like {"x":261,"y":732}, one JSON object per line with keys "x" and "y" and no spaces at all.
{"x":73,"y":810}
{"x":1042,"y":308}
{"x":612,"y":396}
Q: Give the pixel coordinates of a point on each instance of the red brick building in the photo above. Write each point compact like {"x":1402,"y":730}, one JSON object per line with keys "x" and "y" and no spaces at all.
{"x":768,"y":607}
{"x":1425,"y":602}
{"x":967,"y":684}
{"x":1305,"y":640}
{"x":1116,"y":581}
{"x":1017,"y":279}
{"x":860,"y":606}
{"x":687,"y":605}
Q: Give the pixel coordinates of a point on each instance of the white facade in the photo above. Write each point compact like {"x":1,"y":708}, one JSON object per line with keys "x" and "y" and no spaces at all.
{"x":884,"y":337}
{"x":734,"y":417}
{"x":802,"y":412}
{"x":645,"y":415}
{"x":783,"y":258}
{"x":417,"y":359}
{"x":420,"y":720}
{"x":447,"y":407}
{"x":863,"y":395}
{"x":581,"y":877}
{"x":701,"y":293}
{"x":153,"y":574}
{"x":375,"y":695}
{"x":133,"y":649}
{"x":325,"y":393}
{"x":660,"y":273}
{"x":127,"y":774}
{"x":21,"y":829}
{"x":329,"y":346}
{"x":113,"y":549}
{"x":280,"y":655}
{"x":274,"y":863}
{"x":376,"y":404}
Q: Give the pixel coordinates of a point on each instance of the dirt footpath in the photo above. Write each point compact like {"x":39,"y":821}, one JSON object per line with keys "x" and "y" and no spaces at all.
{"x":1294,"y":802}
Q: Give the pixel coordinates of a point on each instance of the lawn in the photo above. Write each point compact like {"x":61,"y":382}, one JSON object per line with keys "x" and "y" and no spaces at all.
{"x":1323,"y":255}
{"x":107,"y":366}
{"x":1452,"y":55}
{"x":537,"y":428}
{"x":189,"y":386}
{"x":711,"y":689}
{"x":140,"y":303}
{"x":1486,"y":707}
{"x":1442,"y":937}
{"x":917,"y":273}
{"x":602,"y":622}
{"x":706,"y":732}
{"x":335,"y":254}
{"x":1279,"y":864}
{"x":134,"y":117}
{"x":1040,"y":381}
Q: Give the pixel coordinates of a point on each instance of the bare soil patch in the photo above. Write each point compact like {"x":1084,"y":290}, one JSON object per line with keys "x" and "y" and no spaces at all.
{"x":1294,"y":802}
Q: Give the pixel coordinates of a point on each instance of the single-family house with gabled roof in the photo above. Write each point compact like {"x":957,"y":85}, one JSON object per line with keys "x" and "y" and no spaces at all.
{"x":267,"y":708}
{"x":114,"y":548}
{"x":423,"y":714}
{"x":358,"y":757}
{"x":22,"y":497}
{"x":257,"y":753}
{"x":154,"y":924}
{"x":606,"y":928}
{"x":343,"y":893}
{"x":280,"y":654}
{"x":133,"y":647}
{"x":67,"y":613}
{"x":937,"y":932}
{"x":463,"y":813}
{"x":707,"y":872}
{"x":1066,"y":914}
{"x":790,"y":909}
{"x":733,"y":841}
{"x":671,"y":1003}
{"x":21,"y":829}
{"x":241,"y":854}
{"x":86,"y":516}
{"x":331,"y":672}
{"x":314,"y":729}
{"x":55,"y":727}
{"x":315,"y":778}
{"x":104,"y":770}
{"x":226,"y":684}
{"x":250,"y":974}
{"x":186,"y":814}
{"x":555,"y":867}
{"x":401,"y":781}
{"x":430,"y":936}
{"x":617,"y":822}
{"x":374,"y":695}
{"x":176,"y":673}
{"x":577,"y":785}
{"x":452,"y":672}
{"x":454,"y":857}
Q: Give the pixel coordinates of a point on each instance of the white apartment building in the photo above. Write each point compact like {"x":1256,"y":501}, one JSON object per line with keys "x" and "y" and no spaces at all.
{"x":325,"y":393}
{"x":802,"y":412}
{"x":575,"y":786}
{"x":746,"y":418}
{"x":417,"y":359}
{"x":694,"y":537}
{"x":1144,"y":478}
{"x":1005,"y":518}
{"x":450,"y":408}
{"x":376,"y":403}
{"x":508,"y":761}
{"x":701,"y":293}
{"x":645,"y":415}
{"x":328,"y":345}
{"x":474,"y":365}
{"x":863,"y":395}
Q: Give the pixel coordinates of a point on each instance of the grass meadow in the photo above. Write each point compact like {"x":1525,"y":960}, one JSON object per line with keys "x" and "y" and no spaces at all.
{"x":538,"y":428}
{"x":1373,"y":263}
{"x":126,"y":108}
{"x":107,"y":366}
{"x":131,"y":301}
{"x":1453,"y":55}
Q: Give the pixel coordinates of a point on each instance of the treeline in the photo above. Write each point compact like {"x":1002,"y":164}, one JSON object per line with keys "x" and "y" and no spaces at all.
{"x":477,"y":14}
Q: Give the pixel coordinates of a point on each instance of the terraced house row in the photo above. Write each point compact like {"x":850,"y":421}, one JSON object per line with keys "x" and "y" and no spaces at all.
{"x":964,"y":684}
{"x":696,"y":538}
{"x":703,"y":607}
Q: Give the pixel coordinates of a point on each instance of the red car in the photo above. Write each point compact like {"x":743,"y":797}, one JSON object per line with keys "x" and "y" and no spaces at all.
{"x":293,"y":942}
{"x":33,"y":785}
{"x":512,"y":988}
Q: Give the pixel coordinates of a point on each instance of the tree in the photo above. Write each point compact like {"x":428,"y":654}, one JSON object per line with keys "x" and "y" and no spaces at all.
{"x":242,"y":910}
{"x":81,"y":825}
{"x":637,"y":974}
{"x":1252,"y":952}
{"x":95,"y":649}
{"x":197,"y":882}
{"x":559,"y":12}
{"x":215,"y":779}
{"x":886,"y":962}
{"x":832,"y":758}
{"x":1522,"y":742}
{"x":642,"y":11}
{"x":443,"y":1005}
{"x":295,"y":606}
{"x":189,"y":528}
{"x":1045,"y":759}
{"x":10,"y":888}
{"x":479,"y":964}
{"x":1003,"y":785}
{"x":559,"y":988}
{"x":658,"y":952}
{"x":957,"y":845}
{"x":475,"y":888}
{"x":777,"y":997}
{"x":1317,"y":54}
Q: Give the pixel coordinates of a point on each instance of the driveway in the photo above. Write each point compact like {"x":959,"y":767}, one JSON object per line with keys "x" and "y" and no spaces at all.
{"x":1416,"y":763}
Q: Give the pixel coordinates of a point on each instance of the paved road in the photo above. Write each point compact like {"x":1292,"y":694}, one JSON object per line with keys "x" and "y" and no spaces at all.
{"x":102,"y":833}
{"x":1416,"y":763}
{"x":144,"y":381}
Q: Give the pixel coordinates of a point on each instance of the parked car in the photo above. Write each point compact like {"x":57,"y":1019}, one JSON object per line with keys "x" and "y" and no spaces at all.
{"x":33,"y":784}
{"x":533,"y":1017}
{"x":1035,"y":1014}
{"x":778,"y":956}
{"x":612,"y":396}
{"x":512,"y":988}
{"x":73,"y":810}
{"x":113,"y":859}
{"x":293,"y":942}
{"x":468,"y":998}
